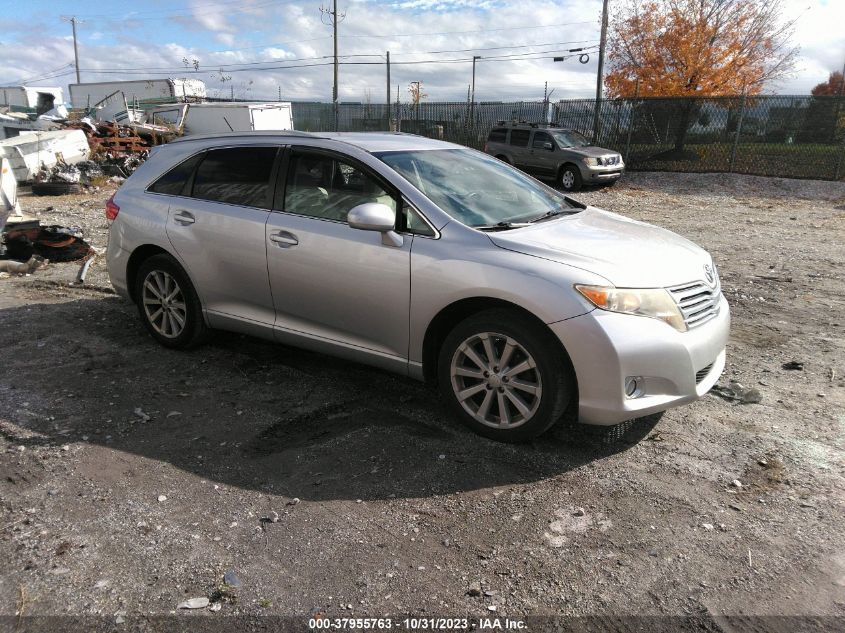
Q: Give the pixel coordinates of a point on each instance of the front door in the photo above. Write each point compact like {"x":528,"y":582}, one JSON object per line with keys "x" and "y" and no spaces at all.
{"x":541,"y":159}
{"x":332,"y":283}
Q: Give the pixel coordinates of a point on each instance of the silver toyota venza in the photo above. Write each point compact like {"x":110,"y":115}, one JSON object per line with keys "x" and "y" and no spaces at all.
{"x":424,"y":258}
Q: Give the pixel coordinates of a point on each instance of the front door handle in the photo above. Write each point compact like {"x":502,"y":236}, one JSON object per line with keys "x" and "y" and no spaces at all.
{"x":284,"y":239}
{"x":184,"y":218}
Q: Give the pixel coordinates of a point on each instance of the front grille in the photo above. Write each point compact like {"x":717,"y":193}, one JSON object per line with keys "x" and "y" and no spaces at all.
{"x":612,"y":160}
{"x":702,"y":373}
{"x":698,"y":301}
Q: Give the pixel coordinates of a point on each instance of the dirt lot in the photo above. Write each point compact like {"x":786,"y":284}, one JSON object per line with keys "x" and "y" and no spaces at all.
{"x":327,"y":485}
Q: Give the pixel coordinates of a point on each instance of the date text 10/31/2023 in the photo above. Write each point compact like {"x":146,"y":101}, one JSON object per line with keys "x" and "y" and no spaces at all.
{"x":416,"y":624}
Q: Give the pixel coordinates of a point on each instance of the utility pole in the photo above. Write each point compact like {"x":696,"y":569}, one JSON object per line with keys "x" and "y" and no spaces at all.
{"x":474,"y":57}
{"x":472,"y":98}
{"x":600,"y":73}
{"x":333,"y":20}
{"x":75,"y":48}
{"x":388,"y":90}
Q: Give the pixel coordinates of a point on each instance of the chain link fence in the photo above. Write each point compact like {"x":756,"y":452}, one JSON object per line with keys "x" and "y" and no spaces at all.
{"x":791,"y":136}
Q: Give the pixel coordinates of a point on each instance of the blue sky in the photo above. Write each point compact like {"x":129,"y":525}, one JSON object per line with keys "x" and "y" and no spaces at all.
{"x":125,"y":40}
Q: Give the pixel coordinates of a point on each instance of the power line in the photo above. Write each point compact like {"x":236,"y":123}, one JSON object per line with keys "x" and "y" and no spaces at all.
{"x":460,"y":60}
{"x":235,"y":65}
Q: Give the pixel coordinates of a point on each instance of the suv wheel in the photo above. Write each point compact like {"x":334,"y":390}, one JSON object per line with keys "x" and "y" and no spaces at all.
{"x":503,"y":377}
{"x":570,"y":178}
{"x":168,"y":304}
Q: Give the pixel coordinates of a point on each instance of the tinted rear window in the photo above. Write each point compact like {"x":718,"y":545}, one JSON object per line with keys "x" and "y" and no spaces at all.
{"x":498,"y":135}
{"x":236,"y":175}
{"x":520,"y":137}
{"x":173,"y":182}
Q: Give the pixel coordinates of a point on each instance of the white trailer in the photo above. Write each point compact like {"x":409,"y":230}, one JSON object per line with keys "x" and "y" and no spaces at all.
{"x":31,"y":151}
{"x":39,"y":98}
{"x":211,"y":118}
{"x":144,"y":90}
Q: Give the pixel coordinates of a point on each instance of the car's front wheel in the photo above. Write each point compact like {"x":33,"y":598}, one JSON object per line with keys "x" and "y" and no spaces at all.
{"x":168,"y":304}
{"x":570,"y":178}
{"x":503,"y":376}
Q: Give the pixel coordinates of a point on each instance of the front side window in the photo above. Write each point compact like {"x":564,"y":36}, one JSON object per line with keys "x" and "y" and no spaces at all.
{"x":174,"y":182}
{"x":323,"y":186}
{"x":474,"y":188}
{"x":236,"y":175}
{"x":540,"y":140}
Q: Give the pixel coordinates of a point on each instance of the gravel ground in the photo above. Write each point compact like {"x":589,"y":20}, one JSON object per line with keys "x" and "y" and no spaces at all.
{"x":132,"y":478}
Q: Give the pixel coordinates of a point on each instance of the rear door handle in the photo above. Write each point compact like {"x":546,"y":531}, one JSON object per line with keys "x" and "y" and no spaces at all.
{"x":284,"y":239}
{"x":184,"y":218}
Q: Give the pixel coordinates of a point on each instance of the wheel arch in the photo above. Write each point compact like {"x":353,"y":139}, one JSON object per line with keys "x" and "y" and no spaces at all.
{"x":448,"y":317}
{"x":138,"y":257}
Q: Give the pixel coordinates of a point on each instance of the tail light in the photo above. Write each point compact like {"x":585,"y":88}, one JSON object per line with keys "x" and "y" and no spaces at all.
{"x":111,"y":209}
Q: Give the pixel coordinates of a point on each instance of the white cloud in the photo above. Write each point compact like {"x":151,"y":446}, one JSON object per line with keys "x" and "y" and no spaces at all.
{"x":285,"y":32}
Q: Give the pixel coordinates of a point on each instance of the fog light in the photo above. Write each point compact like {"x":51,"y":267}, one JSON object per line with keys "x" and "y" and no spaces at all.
{"x":634,"y":386}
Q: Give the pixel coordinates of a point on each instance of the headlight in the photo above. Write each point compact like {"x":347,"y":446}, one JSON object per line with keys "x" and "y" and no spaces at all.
{"x":591,"y":161}
{"x":649,"y":302}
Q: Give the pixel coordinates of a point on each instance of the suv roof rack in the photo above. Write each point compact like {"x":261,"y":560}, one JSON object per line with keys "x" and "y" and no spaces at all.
{"x":535,"y":124}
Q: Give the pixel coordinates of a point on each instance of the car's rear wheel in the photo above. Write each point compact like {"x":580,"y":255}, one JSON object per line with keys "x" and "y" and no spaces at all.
{"x":168,"y":304}
{"x":570,"y":178}
{"x":503,"y":376}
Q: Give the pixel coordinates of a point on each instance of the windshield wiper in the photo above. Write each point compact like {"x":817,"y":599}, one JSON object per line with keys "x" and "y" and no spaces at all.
{"x":572,"y":202}
{"x":501,"y":226}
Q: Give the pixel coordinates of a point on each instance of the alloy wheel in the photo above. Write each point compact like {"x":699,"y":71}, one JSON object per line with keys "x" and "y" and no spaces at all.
{"x":567,"y":179}
{"x":164,"y":304}
{"x":496,"y":380}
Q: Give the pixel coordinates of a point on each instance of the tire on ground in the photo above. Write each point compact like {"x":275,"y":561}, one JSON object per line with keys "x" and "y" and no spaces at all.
{"x":554,"y":368}
{"x":575,"y":178}
{"x":194,"y":331}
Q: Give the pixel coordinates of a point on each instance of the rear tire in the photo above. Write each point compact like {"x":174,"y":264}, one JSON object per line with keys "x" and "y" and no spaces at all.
{"x":503,"y":376}
{"x":570,"y":178}
{"x":168,"y":303}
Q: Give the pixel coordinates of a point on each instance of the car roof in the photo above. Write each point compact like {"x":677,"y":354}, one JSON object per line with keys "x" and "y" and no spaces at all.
{"x":540,"y":127}
{"x":367,"y":141}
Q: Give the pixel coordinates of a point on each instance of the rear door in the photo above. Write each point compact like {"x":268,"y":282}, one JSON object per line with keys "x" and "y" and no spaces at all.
{"x":218,"y":231}
{"x":331,"y":282}
{"x":519,"y":148}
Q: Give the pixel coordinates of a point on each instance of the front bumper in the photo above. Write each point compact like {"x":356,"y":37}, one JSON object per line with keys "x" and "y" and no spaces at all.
{"x":600,"y":173}
{"x":607,"y":347}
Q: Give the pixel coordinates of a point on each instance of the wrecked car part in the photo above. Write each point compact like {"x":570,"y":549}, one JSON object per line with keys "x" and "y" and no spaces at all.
{"x":23,"y":268}
{"x":56,"y":243}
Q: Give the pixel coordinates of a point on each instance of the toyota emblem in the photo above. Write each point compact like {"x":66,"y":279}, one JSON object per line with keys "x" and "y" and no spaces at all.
{"x":708,"y":273}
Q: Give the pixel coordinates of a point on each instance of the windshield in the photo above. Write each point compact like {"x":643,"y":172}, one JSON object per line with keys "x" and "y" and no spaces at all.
{"x":570,"y":138}
{"x":474,"y":188}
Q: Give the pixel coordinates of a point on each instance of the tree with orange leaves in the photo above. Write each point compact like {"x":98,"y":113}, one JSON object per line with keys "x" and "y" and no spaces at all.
{"x":697,"y":48}
{"x":830,"y":88}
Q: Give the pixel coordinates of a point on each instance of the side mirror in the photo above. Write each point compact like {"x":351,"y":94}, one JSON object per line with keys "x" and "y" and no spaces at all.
{"x":374,"y":216}
{"x":547,"y":145}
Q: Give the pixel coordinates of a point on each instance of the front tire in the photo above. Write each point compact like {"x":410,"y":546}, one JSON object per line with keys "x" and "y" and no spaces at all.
{"x":168,"y":303}
{"x":503,"y":376}
{"x":570,"y":178}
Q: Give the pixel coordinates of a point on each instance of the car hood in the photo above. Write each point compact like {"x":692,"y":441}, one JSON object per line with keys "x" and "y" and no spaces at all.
{"x":627,"y":253}
{"x":592,"y":151}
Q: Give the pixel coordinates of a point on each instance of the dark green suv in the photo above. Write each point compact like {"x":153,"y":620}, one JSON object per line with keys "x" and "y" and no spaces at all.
{"x":554,"y":153}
